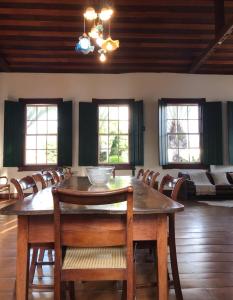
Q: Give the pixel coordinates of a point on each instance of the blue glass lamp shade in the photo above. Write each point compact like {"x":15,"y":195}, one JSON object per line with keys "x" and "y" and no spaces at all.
{"x":84,"y":45}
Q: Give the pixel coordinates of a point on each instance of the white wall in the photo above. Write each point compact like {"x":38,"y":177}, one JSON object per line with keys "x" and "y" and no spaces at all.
{"x":83,"y":87}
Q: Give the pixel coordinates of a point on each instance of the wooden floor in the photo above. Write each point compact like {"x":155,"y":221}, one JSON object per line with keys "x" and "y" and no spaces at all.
{"x":205,"y":254}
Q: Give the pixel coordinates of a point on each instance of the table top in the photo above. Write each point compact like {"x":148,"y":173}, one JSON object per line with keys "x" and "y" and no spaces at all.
{"x":146,"y":199}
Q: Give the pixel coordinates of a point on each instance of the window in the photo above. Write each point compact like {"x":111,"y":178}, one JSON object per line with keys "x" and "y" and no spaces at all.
{"x":113,"y":134}
{"x":41,"y":134}
{"x":181,"y":136}
{"x":183,"y":133}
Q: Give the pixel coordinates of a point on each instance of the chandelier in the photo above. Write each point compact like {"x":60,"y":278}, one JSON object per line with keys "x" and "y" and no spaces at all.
{"x":97,"y":38}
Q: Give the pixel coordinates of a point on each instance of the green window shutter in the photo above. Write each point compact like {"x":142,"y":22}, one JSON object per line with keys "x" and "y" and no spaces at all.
{"x":212,"y":133}
{"x":230,"y":131}
{"x":137,"y":137}
{"x":13,"y":134}
{"x":88,"y":134}
{"x":162,"y":133}
{"x":65,"y":133}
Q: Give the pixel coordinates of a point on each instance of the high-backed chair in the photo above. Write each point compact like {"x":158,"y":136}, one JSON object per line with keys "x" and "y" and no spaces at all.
{"x":58,"y":175}
{"x":23,"y":186}
{"x":4,"y":185}
{"x":171,"y":236}
{"x":99,"y":251}
{"x":151,"y":179}
{"x":45,"y":179}
{"x":145,"y":174}
{"x":140,"y":173}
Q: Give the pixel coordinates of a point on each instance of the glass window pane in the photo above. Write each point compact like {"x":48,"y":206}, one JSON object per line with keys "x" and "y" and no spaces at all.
{"x":182,"y":126}
{"x":171,"y":112}
{"x":103,"y":113}
{"x":173,"y":141}
{"x":103,"y":127}
{"x":31,"y":142}
{"x":193,"y":126}
{"x":42,"y":127}
{"x":30,"y":157}
{"x":103,"y":156}
{"x":113,"y":159}
{"x":194,"y":155}
{"x":113,"y":127}
{"x":51,"y":156}
{"x":193,"y":112}
{"x":31,"y":113}
{"x":52,"y":113}
{"x":123,"y":126}
{"x":182,"y":112}
{"x":103,"y":141}
{"x":113,"y":113}
{"x":173,"y":156}
{"x":41,"y":142}
{"x":41,"y":156}
{"x":52,"y":127}
{"x":114,"y":146}
{"x":183,"y":156}
{"x":123,"y":156}
{"x":51,"y":142}
{"x":172,"y":126}
{"x":183,"y":141}
{"x":123,"y":113}
{"x":31,"y":127}
{"x":194,"y":141}
{"x":41,"y":113}
{"x":123,"y":142}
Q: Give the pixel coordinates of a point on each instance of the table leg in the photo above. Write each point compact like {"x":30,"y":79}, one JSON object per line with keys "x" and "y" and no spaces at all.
{"x":22,"y":259}
{"x":162,"y":257}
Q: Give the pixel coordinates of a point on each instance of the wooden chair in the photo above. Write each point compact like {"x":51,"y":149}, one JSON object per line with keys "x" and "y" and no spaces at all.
{"x":151,"y":179}
{"x":57,"y":175}
{"x":171,"y":236}
{"x":5,"y":186}
{"x":23,"y":186}
{"x":45,"y":179}
{"x":145,"y":174}
{"x":140,"y":173}
{"x":95,"y":251}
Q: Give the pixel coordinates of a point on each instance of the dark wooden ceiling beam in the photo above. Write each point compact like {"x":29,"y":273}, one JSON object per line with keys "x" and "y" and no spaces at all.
{"x":3,"y":64}
{"x":222,"y":33}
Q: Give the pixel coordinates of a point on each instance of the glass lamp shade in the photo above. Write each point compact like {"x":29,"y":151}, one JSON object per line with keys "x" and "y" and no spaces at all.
{"x":90,"y":14}
{"x":84,"y":45}
{"x":110,"y":45}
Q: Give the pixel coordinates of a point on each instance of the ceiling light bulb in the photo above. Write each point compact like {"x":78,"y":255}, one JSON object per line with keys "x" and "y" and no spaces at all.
{"x":94,"y":33}
{"x":90,"y":14}
{"x":105,"y":13}
{"x":99,"y":41}
{"x":110,"y":45}
{"x":102,"y":57}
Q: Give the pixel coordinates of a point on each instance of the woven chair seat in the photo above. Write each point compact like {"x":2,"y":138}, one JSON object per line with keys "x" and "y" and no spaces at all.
{"x":95,"y":258}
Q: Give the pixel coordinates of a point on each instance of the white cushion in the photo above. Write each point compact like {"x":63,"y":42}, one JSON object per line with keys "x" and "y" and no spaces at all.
{"x":199,"y":178}
{"x":220,"y":178}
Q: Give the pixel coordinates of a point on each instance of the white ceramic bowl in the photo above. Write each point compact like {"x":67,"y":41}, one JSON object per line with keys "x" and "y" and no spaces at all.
{"x":99,"y":175}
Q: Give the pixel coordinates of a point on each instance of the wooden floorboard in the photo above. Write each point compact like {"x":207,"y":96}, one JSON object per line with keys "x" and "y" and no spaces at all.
{"x":204,"y":248}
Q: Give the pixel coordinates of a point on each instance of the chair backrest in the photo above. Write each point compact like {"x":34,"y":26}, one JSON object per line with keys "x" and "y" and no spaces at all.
{"x":23,"y":185}
{"x":145,"y":174}
{"x":100,"y":231}
{"x":140,"y":173}
{"x":57,"y":175}
{"x":45,"y":179}
{"x":151,"y":179}
{"x":176,"y":189}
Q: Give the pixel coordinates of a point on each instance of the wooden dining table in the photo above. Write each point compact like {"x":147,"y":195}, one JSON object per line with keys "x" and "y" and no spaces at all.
{"x":35,"y":222}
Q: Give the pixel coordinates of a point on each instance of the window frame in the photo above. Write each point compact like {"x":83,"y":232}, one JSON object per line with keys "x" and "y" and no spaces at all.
{"x":186,"y":101}
{"x":129,"y":102}
{"x":31,"y":101}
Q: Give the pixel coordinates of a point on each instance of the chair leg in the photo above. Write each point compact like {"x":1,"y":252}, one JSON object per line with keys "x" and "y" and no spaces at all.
{"x":173,"y":256}
{"x":40,"y":259}
{"x":124,"y":290}
{"x":50,"y":255}
{"x":32,"y":268}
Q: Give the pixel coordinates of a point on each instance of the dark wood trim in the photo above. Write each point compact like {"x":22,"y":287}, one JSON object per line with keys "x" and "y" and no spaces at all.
{"x":185,"y":166}
{"x":41,"y":100}
{"x":36,"y":167}
{"x":113,"y":101}
{"x":223,"y":35}
{"x":183,"y":100}
{"x":4,"y":64}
